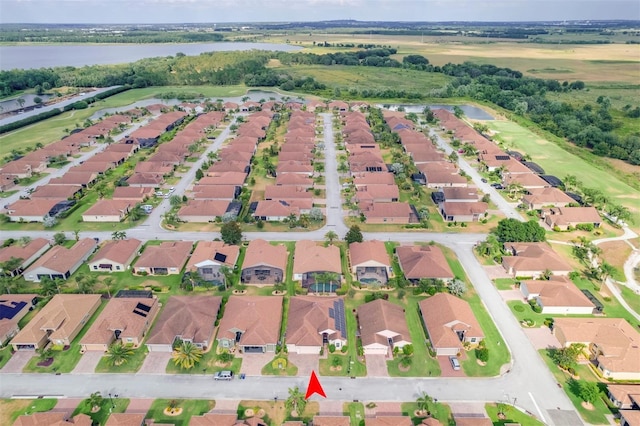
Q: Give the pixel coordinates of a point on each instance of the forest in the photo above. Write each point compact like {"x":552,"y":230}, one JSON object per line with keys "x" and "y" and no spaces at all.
{"x":591,"y":126}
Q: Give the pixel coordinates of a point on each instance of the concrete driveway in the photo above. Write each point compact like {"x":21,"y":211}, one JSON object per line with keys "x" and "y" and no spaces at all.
{"x":252,"y":363}
{"x":541,"y":338}
{"x":446,"y":368}
{"x":18,"y":361}
{"x":139,"y":405}
{"x":88,"y":362}
{"x":305,"y":363}
{"x":377,"y":366}
{"x":66,"y":405}
{"x":155,"y":363}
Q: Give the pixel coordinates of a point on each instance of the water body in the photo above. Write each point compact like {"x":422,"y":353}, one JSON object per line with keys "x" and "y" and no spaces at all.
{"x":77,"y":55}
{"x":471,"y":111}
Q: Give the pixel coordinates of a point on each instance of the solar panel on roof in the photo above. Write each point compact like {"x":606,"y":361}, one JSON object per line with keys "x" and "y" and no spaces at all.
{"x":332,"y":313}
{"x":143,"y":307}
{"x":142,"y":314}
{"x":502,"y":157}
{"x":220,"y":257}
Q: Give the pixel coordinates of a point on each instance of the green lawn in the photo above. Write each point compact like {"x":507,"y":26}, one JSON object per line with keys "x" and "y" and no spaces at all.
{"x":327,"y":364}
{"x":631,"y":298}
{"x":34,"y":406}
{"x":596,"y":416}
{"x":279,"y":366}
{"x":190,"y":407}
{"x":557,"y":161}
{"x":512,"y":415}
{"x":504,"y":283}
{"x":64,"y":360}
{"x":440,"y":411}
{"x":612,"y":308}
{"x":355,"y":411}
{"x":5,"y":355}
{"x":108,"y":406}
{"x":131,"y":366}
{"x":207,"y":364}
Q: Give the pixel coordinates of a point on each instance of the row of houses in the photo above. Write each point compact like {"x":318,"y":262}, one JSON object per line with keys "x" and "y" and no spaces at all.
{"x":377,"y":194}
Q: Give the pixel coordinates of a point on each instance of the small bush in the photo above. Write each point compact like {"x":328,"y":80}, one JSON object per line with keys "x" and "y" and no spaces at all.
{"x":344,"y":349}
{"x":518,"y":308}
{"x":482,"y":353}
{"x":332,"y":348}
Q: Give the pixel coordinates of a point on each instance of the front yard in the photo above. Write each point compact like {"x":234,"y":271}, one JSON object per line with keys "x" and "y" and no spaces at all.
{"x":189,"y":407}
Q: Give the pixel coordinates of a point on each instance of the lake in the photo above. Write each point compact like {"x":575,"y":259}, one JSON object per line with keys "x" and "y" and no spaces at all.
{"x":77,"y":55}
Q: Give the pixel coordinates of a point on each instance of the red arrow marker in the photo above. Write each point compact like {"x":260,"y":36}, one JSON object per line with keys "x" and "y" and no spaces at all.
{"x":314,"y":386}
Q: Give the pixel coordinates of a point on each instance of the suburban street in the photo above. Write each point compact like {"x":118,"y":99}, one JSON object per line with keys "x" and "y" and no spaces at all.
{"x":526,"y":382}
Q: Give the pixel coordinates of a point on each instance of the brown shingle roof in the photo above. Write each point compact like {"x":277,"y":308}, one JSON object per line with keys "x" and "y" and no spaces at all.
{"x":308,"y":318}
{"x":107,"y":207}
{"x":210,"y":208}
{"x":331,"y":421}
{"x":366,"y":251}
{"x":23,"y":252}
{"x":558,"y":291}
{"x":257,"y":316}
{"x":191,"y":317}
{"x":380,"y":315}
{"x":388,"y":421}
{"x":125,"y":419}
{"x":61,"y":259}
{"x":310,"y":257}
{"x":118,"y":251}
{"x":119,"y":315}
{"x":260,"y":252}
{"x":207,"y":250}
{"x":169,"y":254}
{"x":423,"y":262}
{"x":50,"y":418}
{"x":443,"y":315}
{"x":533,"y":257}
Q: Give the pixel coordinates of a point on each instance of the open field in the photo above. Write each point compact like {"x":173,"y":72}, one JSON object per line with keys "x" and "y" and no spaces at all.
{"x":557,"y":161}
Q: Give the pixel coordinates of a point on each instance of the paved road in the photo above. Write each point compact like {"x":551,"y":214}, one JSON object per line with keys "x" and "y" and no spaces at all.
{"x":509,"y":210}
{"x":62,"y":104}
{"x":334,"y":212}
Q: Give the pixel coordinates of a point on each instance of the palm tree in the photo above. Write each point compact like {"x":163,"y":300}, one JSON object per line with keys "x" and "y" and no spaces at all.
{"x":95,"y":400}
{"x":118,"y":235}
{"x":423,"y":401}
{"x":295,"y":402}
{"x":330,"y":237}
{"x":186,"y":355}
{"x":227,"y":273}
{"x":108,"y":283}
{"x":119,"y":354}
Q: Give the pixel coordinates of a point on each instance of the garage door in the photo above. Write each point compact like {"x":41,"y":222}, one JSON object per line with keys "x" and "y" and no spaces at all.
{"x":26,"y":347}
{"x":253,"y":349}
{"x":160,"y":348}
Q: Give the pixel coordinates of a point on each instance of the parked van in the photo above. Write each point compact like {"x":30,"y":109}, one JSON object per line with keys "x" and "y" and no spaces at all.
{"x":455,"y":364}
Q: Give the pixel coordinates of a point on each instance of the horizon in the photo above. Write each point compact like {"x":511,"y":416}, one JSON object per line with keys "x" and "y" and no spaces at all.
{"x":123,"y":12}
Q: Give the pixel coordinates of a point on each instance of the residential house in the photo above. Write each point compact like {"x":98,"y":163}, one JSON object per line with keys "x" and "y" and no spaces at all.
{"x":58,"y":322}
{"x":166,"y":259}
{"x":13,"y":307}
{"x":132,"y":193}
{"x":612,"y":343}
{"x":312,"y":260}
{"x":107,"y":210}
{"x":216,"y":192}
{"x":31,"y":210}
{"x":331,"y":421}
{"x":187,"y":318}
{"x":525,"y":180}
{"x":532,"y":260}
{"x":209,"y":256}
{"x":314,"y":322}
{"x":287,"y":192}
{"x":440,"y":178}
{"x":27,"y":253}
{"x":127,"y":319}
{"x":536,"y":199}
{"x":369,"y":262}
{"x":395,"y":212}
{"x":264,"y":263}
{"x":57,"y":192}
{"x":388,"y":421}
{"x":51,"y":418}
{"x":368,"y":178}
{"x":72,"y":177}
{"x":463,"y":212}
{"x":423,"y":262}
{"x":251,"y":324}
{"x":629,"y":417}
{"x":115,"y":256}
{"x":126,"y":419}
{"x":377,"y":193}
{"x":60,"y":262}
{"x":382,"y":327}
{"x":472,"y":421}
{"x":203,"y":211}
{"x":450,"y":323}
{"x":275,"y":211}
{"x":569,"y":217}
{"x":623,"y":396}
{"x":557,"y":295}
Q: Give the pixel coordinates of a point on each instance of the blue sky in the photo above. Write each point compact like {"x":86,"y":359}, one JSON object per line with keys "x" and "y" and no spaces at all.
{"x":219,"y":11}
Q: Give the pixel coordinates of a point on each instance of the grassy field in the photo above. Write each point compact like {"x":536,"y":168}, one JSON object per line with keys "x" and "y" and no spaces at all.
{"x":108,"y":405}
{"x":190,"y":407}
{"x":557,"y":161}
{"x":512,"y":415}
{"x":439,"y":411}
{"x":132,"y":365}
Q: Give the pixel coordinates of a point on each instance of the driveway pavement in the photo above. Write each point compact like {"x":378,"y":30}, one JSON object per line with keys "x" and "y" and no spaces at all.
{"x":252,"y":363}
{"x":305,"y":363}
{"x":226,"y":406}
{"x":88,"y":362}
{"x":496,"y":271}
{"x":377,"y":366}
{"x":508,"y":295}
{"x":541,"y":338}
{"x":446,"y":368}
{"x":155,"y":363}
{"x":383,"y":409}
{"x":66,"y":405}
{"x":331,"y":408}
{"x":17,"y":362}
{"x":139,"y":405}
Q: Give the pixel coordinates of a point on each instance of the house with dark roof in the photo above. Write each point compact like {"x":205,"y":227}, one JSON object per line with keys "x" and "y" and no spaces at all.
{"x":450,"y":323}
{"x":186,"y":318}
{"x":369,"y":262}
{"x":61,"y":262}
{"x":209,"y":256}
{"x":314,"y":322}
{"x":168,"y":258}
{"x":264,"y":263}
{"x":251,"y":324}
{"x":383,"y":327}
{"x":423,"y":262}
{"x":13,"y":307}
{"x":126,"y":319}
{"x":115,"y":256}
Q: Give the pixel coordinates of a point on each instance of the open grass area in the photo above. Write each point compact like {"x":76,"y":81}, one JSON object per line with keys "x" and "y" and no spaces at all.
{"x":5,"y":355}
{"x":190,"y":407}
{"x":439,"y":411}
{"x":559,"y":162}
{"x":596,"y":416}
{"x":64,"y":361}
{"x":632,"y":299}
{"x":511,"y":415}
{"x":11,"y":409}
{"x":504,"y":283}
{"x":108,"y":406}
{"x":132,"y":365}
{"x":280,"y":366}
{"x":355,"y":411}
{"x":209,"y":364}
{"x":612,"y":309}
{"x":335,"y":364}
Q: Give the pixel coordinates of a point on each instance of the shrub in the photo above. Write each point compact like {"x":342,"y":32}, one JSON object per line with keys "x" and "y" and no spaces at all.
{"x":332,"y":348}
{"x":344,"y":349}
{"x":518,"y":308}
{"x":482,"y":353}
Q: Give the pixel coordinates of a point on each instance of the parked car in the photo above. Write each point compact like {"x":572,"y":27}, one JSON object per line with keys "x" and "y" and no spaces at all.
{"x":455,"y":364}
{"x":223,"y":375}
{"x":497,"y":185}
{"x":483,"y":180}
